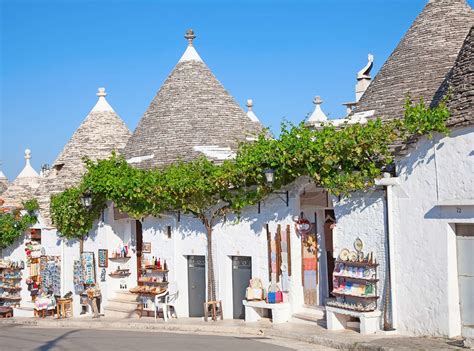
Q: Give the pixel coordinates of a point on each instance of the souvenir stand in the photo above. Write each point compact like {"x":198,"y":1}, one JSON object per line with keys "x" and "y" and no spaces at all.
{"x":10,"y":283}
{"x":355,"y":290}
{"x":84,"y":278}
{"x":152,"y":282}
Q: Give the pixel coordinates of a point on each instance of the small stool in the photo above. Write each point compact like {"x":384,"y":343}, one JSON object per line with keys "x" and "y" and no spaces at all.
{"x":63,"y":307}
{"x":6,"y":312}
{"x":216,"y":309}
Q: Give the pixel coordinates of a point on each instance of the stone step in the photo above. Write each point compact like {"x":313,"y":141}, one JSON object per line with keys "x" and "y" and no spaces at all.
{"x":310,"y":314}
{"x":120,"y":312}
{"x":131,"y":305}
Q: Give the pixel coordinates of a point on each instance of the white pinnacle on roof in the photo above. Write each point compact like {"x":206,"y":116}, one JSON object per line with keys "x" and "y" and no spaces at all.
{"x":190,"y":54}
{"x":28,"y":171}
{"x":250,"y":113}
{"x":102,"y":104}
{"x":318,"y":115}
{"x":2,"y":176}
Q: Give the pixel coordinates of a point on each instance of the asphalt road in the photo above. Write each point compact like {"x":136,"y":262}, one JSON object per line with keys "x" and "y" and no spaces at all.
{"x":13,"y":338}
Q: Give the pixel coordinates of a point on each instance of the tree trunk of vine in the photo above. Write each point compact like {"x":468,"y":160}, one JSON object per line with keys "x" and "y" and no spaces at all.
{"x":211,"y":281}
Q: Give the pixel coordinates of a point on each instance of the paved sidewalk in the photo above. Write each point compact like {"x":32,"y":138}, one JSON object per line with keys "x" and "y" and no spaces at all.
{"x":306,"y":332}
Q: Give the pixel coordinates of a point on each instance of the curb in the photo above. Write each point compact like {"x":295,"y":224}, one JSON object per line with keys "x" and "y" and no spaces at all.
{"x":183,"y":328}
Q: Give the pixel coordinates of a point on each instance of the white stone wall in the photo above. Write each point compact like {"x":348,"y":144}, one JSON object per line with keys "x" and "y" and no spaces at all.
{"x":435,"y":172}
{"x":363,"y":215}
{"x":435,"y":192}
{"x":236,"y":237}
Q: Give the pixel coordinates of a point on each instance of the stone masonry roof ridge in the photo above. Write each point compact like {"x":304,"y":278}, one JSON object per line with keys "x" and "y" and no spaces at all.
{"x":101,"y":132}
{"x":461,"y":85}
{"x":421,"y":63}
{"x":191,"y":111}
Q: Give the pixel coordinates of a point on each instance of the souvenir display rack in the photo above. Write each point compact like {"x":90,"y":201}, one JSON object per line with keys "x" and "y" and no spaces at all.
{"x":10,"y":283}
{"x":355,"y":281}
{"x":120,"y":273}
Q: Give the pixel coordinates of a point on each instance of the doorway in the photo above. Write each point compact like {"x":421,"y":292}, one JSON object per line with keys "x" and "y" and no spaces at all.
{"x":196,"y":285}
{"x":139,"y":244}
{"x":241,"y":275}
{"x":465,"y":258}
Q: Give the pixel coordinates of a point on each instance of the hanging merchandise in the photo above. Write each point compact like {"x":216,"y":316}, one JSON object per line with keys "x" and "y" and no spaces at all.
{"x":88,"y":267}
{"x":303,"y":225}
{"x":78,"y":277}
{"x":51,"y":274}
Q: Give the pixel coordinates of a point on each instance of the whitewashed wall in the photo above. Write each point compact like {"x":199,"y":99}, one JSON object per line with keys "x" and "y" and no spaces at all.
{"x":236,"y":237}
{"x":363,"y":215}
{"x":435,"y":173}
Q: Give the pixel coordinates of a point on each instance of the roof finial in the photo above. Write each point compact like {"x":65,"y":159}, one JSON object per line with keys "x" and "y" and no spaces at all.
{"x":27,"y":154}
{"x":250,"y":104}
{"x":101,"y":92}
{"x":190,"y":37}
{"x":317,"y":100}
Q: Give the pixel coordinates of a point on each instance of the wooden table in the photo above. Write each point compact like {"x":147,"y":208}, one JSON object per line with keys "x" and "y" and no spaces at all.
{"x":62,"y":307}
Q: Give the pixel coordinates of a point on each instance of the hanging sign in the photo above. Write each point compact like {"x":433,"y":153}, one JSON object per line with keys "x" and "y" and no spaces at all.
{"x":303,"y":226}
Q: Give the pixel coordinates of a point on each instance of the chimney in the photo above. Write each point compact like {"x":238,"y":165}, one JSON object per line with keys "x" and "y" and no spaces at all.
{"x":363,"y":78}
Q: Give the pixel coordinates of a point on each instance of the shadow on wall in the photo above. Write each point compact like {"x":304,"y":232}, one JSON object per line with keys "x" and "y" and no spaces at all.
{"x":358,"y":201}
{"x":448,"y":212}
{"x":191,"y":226}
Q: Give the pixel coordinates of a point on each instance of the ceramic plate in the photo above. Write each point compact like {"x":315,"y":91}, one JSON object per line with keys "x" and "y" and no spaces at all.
{"x":358,"y":245}
{"x":344,"y":255}
{"x":353,"y":256}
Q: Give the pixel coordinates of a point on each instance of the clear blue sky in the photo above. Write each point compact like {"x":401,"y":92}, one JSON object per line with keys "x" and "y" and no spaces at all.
{"x":55,"y":54}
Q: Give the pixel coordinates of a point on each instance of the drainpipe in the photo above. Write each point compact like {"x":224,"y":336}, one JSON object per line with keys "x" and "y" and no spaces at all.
{"x":388,"y":182}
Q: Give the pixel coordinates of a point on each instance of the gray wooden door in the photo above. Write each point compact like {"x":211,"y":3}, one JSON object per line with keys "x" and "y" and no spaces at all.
{"x":241,"y":274}
{"x":196,"y":285}
{"x":465,"y":251}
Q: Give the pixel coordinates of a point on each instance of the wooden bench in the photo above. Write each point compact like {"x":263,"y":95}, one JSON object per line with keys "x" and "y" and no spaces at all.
{"x":337,"y":318}
{"x":255,"y":310}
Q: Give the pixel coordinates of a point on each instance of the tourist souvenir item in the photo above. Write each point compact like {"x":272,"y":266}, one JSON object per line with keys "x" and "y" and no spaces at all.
{"x":344,"y":255}
{"x":358,"y":245}
{"x":353,"y":256}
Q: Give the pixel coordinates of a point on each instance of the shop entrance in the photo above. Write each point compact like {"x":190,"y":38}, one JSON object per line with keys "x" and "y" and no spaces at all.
{"x":196,"y":285}
{"x":139,"y":244}
{"x":317,"y":261}
{"x":465,"y":256}
{"x":241,"y":275}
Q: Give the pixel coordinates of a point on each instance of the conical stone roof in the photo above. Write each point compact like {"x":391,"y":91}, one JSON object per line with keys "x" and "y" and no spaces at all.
{"x":461,"y":83}
{"x":191,"y":112}
{"x":24,"y":186}
{"x":422,"y":61}
{"x":101,"y":132}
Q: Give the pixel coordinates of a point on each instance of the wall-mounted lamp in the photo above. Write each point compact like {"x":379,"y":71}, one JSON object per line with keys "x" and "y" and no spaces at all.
{"x":86,"y":199}
{"x":270,"y":178}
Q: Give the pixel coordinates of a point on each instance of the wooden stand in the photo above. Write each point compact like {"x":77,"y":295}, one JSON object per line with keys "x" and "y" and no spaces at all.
{"x":216,"y":310}
{"x":62,"y":307}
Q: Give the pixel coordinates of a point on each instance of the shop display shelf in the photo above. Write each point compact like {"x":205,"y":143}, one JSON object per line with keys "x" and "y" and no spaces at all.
{"x":10,"y":278}
{"x":154,"y":283}
{"x":156,"y":270}
{"x":11,"y":298}
{"x":357,"y":264}
{"x":120,"y":258}
{"x":356,"y":296}
{"x":356,"y":278}
{"x":10,"y":287}
{"x":119,"y":275}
